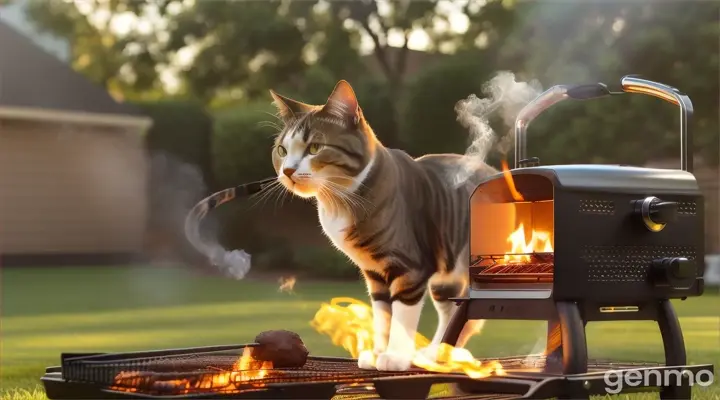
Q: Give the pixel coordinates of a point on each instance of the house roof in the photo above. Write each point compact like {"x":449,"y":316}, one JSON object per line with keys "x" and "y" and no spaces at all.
{"x":31,"y":78}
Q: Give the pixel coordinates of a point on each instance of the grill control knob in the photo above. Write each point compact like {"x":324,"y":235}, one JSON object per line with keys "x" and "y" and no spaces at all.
{"x":655,"y":213}
{"x":673,"y":271}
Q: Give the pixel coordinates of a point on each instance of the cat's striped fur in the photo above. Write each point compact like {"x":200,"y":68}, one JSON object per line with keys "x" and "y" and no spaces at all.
{"x":402,"y":221}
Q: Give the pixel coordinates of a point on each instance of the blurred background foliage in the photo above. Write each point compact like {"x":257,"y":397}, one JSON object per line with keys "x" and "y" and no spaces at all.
{"x":202,"y":69}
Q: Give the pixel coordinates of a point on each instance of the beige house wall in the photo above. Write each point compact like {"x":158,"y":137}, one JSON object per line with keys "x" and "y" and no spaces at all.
{"x":71,"y":188}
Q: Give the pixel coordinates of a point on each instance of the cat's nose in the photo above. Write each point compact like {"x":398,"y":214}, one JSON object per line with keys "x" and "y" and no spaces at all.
{"x":289,"y":171}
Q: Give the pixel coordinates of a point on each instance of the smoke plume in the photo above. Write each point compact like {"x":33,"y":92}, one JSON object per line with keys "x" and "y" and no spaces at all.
{"x":176,"y":188}
{"x":504,"y":95}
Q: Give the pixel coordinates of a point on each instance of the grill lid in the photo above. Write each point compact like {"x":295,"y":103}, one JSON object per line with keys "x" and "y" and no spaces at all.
{"x":615,"y":178}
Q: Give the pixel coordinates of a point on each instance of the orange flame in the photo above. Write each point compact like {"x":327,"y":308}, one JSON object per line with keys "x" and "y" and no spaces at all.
{"x":350,"y":326}
{"x":520,"y":250}
{"x":245,"y":372}
{"x":511,"y":183}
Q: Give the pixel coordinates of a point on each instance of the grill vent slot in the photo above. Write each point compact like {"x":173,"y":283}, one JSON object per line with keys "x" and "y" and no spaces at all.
{"x":627,"y":263}
{"x":687,"y":208}
{"x":606,"y":207}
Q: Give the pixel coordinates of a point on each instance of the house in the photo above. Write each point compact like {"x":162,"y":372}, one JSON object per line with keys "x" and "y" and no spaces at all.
{"x":72,"y":163}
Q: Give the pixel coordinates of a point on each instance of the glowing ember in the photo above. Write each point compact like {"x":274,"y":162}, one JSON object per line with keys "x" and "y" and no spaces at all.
{"x":350,"y":326}
{"x":244,"y":373}
{"x":287,"y":284}
{"x":521,"y":249}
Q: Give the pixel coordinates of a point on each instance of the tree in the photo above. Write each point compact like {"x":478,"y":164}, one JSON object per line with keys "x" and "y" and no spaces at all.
{"x":123,"y":63}
{"x":602,"y":41}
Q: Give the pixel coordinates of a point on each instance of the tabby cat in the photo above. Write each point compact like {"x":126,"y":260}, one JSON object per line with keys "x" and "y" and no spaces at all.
{"x":402,"y":221}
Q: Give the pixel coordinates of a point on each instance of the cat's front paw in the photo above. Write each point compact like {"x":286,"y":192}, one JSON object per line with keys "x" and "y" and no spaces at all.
{"x":366,"y":360}
{"x":393,"y":361}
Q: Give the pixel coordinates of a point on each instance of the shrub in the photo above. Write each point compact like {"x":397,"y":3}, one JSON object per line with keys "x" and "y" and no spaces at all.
{"x":183,"y":131}
{"x":429,"y":118}
{"x":242,"y":143}
{"x":374,"y":98}
{"x":180,"y":173}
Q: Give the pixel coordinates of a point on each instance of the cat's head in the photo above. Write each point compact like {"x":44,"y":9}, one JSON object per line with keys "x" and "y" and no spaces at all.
{"x":323,"y":148}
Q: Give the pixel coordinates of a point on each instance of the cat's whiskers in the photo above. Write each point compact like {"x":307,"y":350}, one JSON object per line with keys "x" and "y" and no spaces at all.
{"x":352,"y":201}
{"x":270,"y":124}
{"x":266,"y":194}
{"x":347,"y":178}
{"x":274,"y":115}
{"x":342,"y":190}
{"x":359,"y":200}
{"x":328,"y":200}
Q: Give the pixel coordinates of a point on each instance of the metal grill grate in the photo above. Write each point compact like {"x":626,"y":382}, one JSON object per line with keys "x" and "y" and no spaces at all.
{"x":539,"y":267}
{"x":213,"y":372}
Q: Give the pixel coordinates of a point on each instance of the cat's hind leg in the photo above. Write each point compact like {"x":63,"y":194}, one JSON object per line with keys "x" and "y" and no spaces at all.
{"x":442,"y":288}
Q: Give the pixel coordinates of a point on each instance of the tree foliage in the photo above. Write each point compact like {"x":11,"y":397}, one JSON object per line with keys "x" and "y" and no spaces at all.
{"x":123,"y":63}
{"x":601,"y":41}
{"x":302,"y":47}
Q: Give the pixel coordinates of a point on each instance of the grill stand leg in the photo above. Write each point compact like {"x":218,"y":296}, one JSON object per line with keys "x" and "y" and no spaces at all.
{"x":567,"y":346}
{"x":553,"y":347}
{"x":456,"y":324}
{"x":574,"y":343}
{"x":674,"y":345}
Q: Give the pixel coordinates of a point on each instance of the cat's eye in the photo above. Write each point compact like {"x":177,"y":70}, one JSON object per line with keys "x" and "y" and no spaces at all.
{"x":282,"y":152}
{"x":314,"y":148}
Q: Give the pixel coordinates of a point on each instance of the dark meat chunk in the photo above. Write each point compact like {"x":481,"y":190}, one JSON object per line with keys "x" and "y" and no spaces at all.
{"x":284,"y":348}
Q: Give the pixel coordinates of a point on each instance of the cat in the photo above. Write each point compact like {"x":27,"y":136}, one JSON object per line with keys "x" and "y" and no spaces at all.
{"x":402,"y":221}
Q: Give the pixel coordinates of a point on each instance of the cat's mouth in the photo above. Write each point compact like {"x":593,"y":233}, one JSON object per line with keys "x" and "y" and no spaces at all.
{"x":302,"y":188}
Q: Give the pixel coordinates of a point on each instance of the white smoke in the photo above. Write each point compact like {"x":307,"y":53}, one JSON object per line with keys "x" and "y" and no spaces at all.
{"x":176,"y":188}
{"x":504,"y":94}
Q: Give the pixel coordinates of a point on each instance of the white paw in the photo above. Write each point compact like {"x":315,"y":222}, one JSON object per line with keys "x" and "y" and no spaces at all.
{"x":430,"y":353}
{"x":390,"y":361}
{"x":366,"y":360}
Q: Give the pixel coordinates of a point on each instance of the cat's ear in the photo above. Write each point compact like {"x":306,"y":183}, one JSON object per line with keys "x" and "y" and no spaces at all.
{"x":288,"y":108}
{"x":342,"y":102}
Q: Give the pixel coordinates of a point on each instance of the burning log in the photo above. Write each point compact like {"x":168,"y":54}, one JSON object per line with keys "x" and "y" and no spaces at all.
{"x":283,"y":348}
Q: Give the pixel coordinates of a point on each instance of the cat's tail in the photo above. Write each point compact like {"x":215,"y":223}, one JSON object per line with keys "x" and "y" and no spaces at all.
{"x":235,"y":263}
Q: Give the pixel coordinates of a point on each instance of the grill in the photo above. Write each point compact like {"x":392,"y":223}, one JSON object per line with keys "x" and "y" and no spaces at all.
{"x":189,"y":373}
{"x":607,"y":243}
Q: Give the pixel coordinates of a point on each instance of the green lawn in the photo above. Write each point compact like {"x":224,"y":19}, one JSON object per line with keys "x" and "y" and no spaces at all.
{"x":46,"y":311}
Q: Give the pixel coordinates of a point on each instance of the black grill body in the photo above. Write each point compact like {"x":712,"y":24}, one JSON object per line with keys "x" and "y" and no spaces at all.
{"x":603,"y":251}
{"x":624,"y":241}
